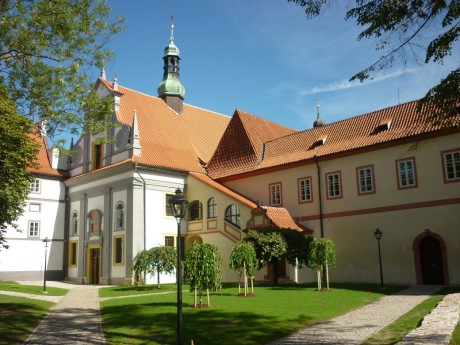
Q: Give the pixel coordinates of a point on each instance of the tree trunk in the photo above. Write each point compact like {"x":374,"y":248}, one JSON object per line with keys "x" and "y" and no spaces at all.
{"x":318,"y":277}
{"x":194,"y":298}
{"x":201,"y":297}
{"x":209,"y":301}
{"x":158,"y":279}
{"x":327,"y":276}
{"x":239,"y":283}
{"x":252,"y":285}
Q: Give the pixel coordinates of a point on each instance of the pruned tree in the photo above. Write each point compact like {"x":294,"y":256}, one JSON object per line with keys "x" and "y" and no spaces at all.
{"x":154,"y":260}
{"x":141,"y":266}
{"x":202,"y":267}
{"x":270,"y":248}
{"x":163,"y":260}
{"x":321,"y":254}
{"x":17,"y":156}
{"x":405,"y":29}
{"x":243,"y":258}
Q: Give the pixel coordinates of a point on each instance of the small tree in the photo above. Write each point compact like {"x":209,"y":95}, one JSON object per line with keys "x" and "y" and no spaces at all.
{"x":243,"y":258}
{"x":270,"y":247}
{"x":162,"y":260}
{"x":141,"y":266}
{"x":202,"y":267}
{"x":321,"y":253}
{"x":156,"y":259}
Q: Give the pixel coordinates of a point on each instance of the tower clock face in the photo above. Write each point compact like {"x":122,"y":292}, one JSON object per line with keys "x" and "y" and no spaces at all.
{"x":121,"y":139}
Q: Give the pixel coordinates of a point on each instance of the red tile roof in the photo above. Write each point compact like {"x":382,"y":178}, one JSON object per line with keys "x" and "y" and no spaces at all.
{"x":44,"y":155}
{"x":242,"y":144}
{"x":225,"y":190}
{"x":347,"y":135}
{"x":170,"y":140}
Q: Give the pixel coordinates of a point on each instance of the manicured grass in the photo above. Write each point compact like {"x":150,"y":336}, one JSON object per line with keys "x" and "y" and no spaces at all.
{"x":394,"y":332}
{"x":32,"y":289}
{"x":275,"y":311}
{"x":19,"y":316}
{"x":128,"y":290}
{"x":455,"y":340}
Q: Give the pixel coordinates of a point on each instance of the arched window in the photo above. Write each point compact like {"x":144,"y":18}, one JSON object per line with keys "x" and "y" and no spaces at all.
{"x":195,"y":210}
{"x":119,"y":216}
{"x":232,"y":214}
{"x":74,"y":223}
{"x":94,"y":217}
{"x":212,"y":208}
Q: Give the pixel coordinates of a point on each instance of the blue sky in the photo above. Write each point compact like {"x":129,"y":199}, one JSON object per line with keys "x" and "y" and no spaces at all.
{"x":264,"y":57}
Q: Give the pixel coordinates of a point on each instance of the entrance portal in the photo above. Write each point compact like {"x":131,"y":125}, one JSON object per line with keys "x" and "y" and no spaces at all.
{"x":431,"y":261}
{"x":94,"y":261}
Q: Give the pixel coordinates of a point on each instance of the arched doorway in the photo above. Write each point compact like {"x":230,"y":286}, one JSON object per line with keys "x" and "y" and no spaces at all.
{"x":430,"y":260}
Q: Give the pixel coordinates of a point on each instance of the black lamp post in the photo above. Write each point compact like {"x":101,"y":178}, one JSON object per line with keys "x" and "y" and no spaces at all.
{"x":378,"y":236}
{"x":45,"y":244}
{"x":178,"y":205}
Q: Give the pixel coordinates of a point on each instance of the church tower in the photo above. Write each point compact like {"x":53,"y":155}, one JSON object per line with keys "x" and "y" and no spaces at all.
{"x":171,"y":89}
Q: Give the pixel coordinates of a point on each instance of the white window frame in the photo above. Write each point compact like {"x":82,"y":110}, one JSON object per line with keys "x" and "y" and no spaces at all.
{"x":407,"y":173}
{"x":365,"y":177}
{"x":276,"y":194}
{"x":35,"y":186}
{"x":304,"y":185}
{"x":33,"y":229}
{"x":334,"y":185}
{"x":451,"y":165}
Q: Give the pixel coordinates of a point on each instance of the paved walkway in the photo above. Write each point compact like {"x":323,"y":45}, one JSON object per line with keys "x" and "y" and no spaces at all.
{"x":356,"y":326}
{"x":75,"y":319}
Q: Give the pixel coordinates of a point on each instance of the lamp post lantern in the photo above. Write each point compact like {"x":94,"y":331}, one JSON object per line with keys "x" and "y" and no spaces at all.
{"x":378,"y":236}
{"x":45,"y":244}
{"x":178,"y":205}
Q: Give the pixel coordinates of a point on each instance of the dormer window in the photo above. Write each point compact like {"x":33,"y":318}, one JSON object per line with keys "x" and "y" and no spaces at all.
{"x":383,"y":126}
{"x":321,"y":141}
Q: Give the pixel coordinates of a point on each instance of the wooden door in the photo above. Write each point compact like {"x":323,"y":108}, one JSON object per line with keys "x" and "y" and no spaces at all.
{"x":431,"y":260}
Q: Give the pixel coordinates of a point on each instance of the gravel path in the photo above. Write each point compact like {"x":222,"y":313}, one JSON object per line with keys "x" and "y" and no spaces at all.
{"x":356,"y":326}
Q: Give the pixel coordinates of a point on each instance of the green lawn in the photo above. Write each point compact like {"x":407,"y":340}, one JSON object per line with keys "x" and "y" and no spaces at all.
{"x":19,"y":316}
{"x":275,"y":311}
{"x":32,"y":289}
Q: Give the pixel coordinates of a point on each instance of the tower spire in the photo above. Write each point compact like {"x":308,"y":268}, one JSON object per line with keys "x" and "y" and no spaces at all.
{"x":171,"y":89}
{"x":318,"y":122}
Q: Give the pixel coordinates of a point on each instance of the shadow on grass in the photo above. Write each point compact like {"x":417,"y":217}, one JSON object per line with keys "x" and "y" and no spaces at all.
{"x":18,"y":320}
{"x":155,"y":325}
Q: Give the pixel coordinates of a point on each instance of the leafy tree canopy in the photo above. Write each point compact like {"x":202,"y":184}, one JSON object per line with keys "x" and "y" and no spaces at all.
{"x":47,"y":48}
{"x":202,"y":266}
{"x":17,"y":154}
{"x":402,"y":27}
{"x":321,"y":252}
{"x":269,"y":246}
{"x":243,"y":256}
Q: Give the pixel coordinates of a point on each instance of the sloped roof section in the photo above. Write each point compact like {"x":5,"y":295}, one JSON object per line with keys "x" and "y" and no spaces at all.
{"x":180,"y":142}
{"x":44,"y":157}
{"x":242,"y":144}
{"x":225,"y":190}
{"x":351,"y":134}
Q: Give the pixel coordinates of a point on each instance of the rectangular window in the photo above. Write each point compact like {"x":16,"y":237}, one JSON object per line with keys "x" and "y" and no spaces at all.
{"x":365,"y":176}
{"x":118,"y":250}
{"x":34,"y":207}
{"x":451,"y":166}
{"x":34,"y":228}
{"x":334,"y":185}
{"x":407,"y":177}
{"x":275,"y":194}
{"x":98,"y":156}
{"x":35,"y":186}
{"x":304,"y":188}
{"x":168,"y":210}
{"x":169,"y":241}
{"x":73,"y":250}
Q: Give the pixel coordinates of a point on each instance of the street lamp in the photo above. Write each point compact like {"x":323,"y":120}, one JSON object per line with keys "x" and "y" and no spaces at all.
{"x":378,"y":236}
{"x":178,"y":205}
{"x":45,"y":244}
